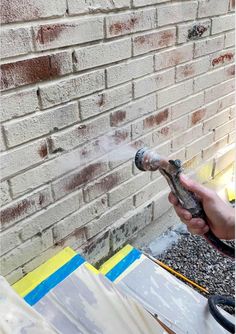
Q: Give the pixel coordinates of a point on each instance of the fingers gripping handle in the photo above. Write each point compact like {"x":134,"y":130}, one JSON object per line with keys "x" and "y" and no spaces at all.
{"x":192,"y":204}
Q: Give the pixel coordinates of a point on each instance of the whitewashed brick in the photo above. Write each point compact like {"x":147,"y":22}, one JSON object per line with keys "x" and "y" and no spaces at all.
{"x":224,"y":158}
{"x":187,"y":137}
{"x":106,"y":100}
{"x":38,"y":9}
{"x":95,"y":6}
{"x":184,"y":29}
{"x":143,"y":3}
{"x":192,"y":69}
{"x":25,"y":252}
{"x":153,"y":82}
{"x":15,"y":42}
{"x":222,"y":23}
{"x":109,"y":217}
{"x":107,"y":182}
{"x":44,"y":173}
{"x":229,"y":39}
{"x":154,"y":40}
{"x":2,"y":140}
{"x":187,"y":105}
{"x":207,"y":46}
{"x":174,"y":128}
{"x":78,"y":219}
{"x":199,"y":144}
{"x":100,"y":54}
{"x":207,"y":80}
{"x":220,"y":90}
{"x":173,"y":56}
{"x":18,"y":104}
{"x":23,"y":207}
{"x":127,"y":188}
{"x":173,"y":13}
{"x":129,"y":70}
{"x":54,"y":213}
{"x":79,"y":134}
{"x":72,"y":88}
{"x":224,"y":129}
{"x":73,"y":32}
{"x":150,"y":122}
{"x":212,"y":7}
{"x":149,"y":191}
{"x":220,"y":118}
{"x":25,"y":129}
{"x":28,"y":155}
{"x":126,"y":228}
{"x":161,"y":204}
{"x":122,"y":24}
{"x":5,"y":196}
{"x":226,"y":101}
{"x":232,"y":137}
{"x":79,"y":178}
{"x":128,"y":113}
{"x":211,"y":150}
{"x":222,"y":58}
{"x":14,"y":276}
{"x":175,"y":93}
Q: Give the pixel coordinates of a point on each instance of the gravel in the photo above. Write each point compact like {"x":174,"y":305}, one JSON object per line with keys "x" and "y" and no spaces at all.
{"x":193,"y":257}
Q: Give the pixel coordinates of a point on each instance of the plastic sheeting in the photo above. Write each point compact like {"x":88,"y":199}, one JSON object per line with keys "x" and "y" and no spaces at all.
{"x":178,"y":306}
{"x":88,"y":303}
{"x":17,"y":317}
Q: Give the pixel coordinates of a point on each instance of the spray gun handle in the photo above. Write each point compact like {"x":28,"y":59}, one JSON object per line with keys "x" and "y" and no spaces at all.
{"x":190,"y":202}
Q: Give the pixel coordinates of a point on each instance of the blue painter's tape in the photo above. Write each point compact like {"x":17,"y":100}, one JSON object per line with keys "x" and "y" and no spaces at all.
{"x":43,"y":288}
{"x":123,"y":264}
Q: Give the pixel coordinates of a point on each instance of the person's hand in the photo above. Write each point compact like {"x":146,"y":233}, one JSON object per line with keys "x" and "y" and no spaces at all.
{"x":220,"y":215}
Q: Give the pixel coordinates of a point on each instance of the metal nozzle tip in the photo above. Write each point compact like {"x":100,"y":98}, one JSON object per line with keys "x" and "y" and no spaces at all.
{"x":139,"y":158}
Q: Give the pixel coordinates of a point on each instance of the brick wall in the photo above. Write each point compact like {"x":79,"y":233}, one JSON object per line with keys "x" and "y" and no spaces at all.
{"x":158,"y":73}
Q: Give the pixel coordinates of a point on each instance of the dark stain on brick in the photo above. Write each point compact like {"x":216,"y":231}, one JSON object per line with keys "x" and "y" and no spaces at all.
{"x":29,"y":71}
{"x":43,"y":151}
{"x":188,"y":70}
{"x":118,"y":117}
{"x":120,"y":136}
{"x":108,"y":182}
{"x":41,"y":199}
{"x":222,"y":59}
{"x":232,"y":4}
{"x":196,"y":31}
{"x":48,"y":33}
{"x":15,"y":211}
{"x":77,"y":233}
{"x":101,"y":100}
{"x":154,"y":120}
{"x":141,"y":40}
{"x":165,"y":131}
{"x":165,"y":38}
{"x":197,"y":116}
{"x":119,"y":27}
{"x":231,"y":71}
{"x":84,"y":176}
{"x":95,"y":242}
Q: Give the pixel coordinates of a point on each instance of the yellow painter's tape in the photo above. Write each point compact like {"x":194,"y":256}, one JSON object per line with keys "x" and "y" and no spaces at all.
{"x":115,"y":259}
{"x":37,"y":276}
{"x":91,"y":268}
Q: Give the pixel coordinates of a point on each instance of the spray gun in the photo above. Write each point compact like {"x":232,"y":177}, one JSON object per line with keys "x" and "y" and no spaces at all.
{"x":146,"y":160}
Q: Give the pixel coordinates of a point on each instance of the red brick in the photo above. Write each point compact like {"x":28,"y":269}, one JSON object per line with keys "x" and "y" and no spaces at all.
{"x":33,"y":70}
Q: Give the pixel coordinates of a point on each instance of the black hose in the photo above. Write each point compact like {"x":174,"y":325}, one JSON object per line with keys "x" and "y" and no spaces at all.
{"x":213,"y":301}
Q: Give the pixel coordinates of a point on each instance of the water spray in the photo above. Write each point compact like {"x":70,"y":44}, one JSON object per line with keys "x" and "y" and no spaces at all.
{"x":146,"y":160}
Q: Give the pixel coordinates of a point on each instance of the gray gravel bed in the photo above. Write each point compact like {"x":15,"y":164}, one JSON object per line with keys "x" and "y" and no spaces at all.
{"x":193,"y":257}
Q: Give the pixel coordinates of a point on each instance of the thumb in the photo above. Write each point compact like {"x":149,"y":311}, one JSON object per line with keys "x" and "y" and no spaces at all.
{"x":193,"y":186}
